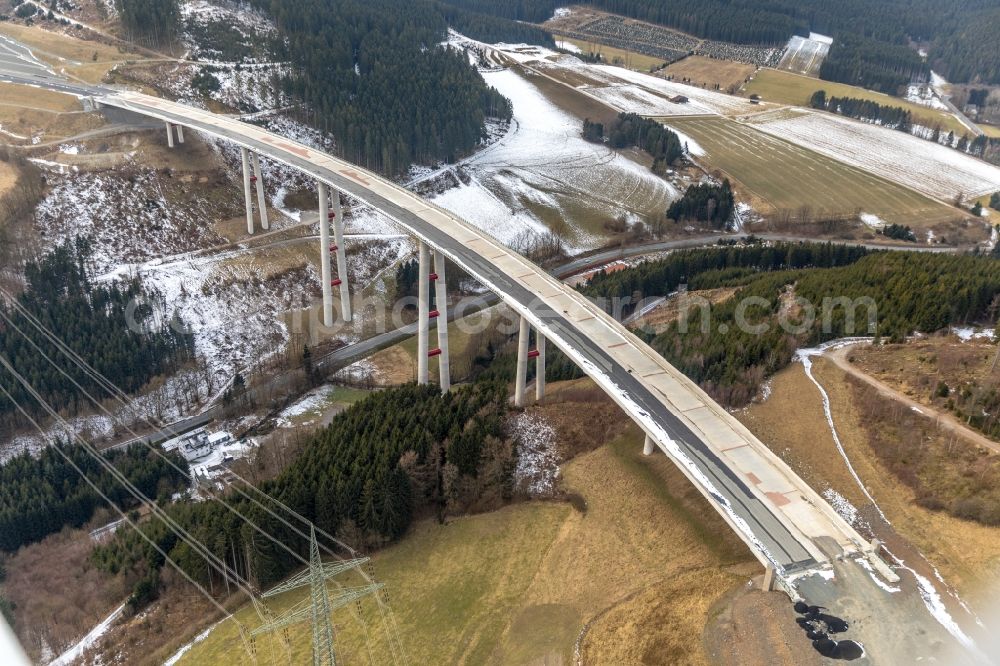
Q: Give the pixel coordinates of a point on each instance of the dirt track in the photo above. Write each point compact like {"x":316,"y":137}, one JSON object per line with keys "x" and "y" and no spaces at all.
{"x":942,"y":419}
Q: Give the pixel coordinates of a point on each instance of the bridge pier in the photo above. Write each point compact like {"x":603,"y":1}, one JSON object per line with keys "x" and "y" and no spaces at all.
{"x":522,"y":362}
{"x":245,"y":159}
{"x":170,"y":135}
{"x":423,"y":311}
{"x":180,"y":133}
{"x":539,"y":366}
{"x":441,"y":307}
{"x":324,"y":254}
{"x":337,"y":213}
{"x":647,"y":446}
{"x":261,"y":202}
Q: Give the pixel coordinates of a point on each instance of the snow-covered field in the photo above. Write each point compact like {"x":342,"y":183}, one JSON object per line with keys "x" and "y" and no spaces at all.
{"x":805,"y":55}
{"x":626,"y":90}
{"x":543,"y":164}
{"x":932,"y":169}
{"x":700,"y":100}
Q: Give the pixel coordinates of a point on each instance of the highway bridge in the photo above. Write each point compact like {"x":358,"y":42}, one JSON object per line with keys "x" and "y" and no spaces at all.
{"x":790,"y":528}
{"x":780,"y":518}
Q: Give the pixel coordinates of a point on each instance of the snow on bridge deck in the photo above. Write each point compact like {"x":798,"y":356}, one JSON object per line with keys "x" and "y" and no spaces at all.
{"x":774,"y":511}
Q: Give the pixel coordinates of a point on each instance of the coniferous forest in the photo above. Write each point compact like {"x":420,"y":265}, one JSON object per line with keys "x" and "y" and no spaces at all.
{"x":363,"y":478}
{"x":41,"y":495}
{"x":911,"y":292}
{"x":92,"y":320}
{"x":871,"y":39}
{"x":373,"y":74}
{"x":705,"y":202}
{"x":630,"y":129}
{"x":150,"y":22}
{"x":894,"y":117}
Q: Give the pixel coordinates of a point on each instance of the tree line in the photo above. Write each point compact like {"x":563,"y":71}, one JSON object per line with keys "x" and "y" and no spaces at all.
{"x":705,"y":202}
{"x":92,"y":320}
{"x":872,"y":40}
{"x":363,"y":478}
{"x":893,"y":117}
{"x":375,"y":76}
{"x":911,"y":291}
{"x":152,"y":22}
{"x":630,"y":129}
{"x":41,"y":495}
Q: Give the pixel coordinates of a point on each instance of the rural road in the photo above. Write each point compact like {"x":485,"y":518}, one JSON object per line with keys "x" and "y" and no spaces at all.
{"x":839,"y":357}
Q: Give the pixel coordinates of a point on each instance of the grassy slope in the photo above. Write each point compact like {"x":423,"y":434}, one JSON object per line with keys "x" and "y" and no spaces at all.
{"x":785,"y":176}
{"x":88,"y":60}
{"x":642,"y":565}
{"x":789,"y":88}
{"x":631,"y":59}
{"x":967,"y":554}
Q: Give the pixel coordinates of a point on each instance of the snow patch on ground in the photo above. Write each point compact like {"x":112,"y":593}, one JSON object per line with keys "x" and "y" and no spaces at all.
{"x":932,"y":600}
{"x":128,"y":214}
{"x":197,"y":639}
{"x":312,"y":402}
{"x":544,"y":163}
{"x":804,"y":356}
{"x":841,"y":505}
{"x":876,"y":578}
{"x":253,"y":27}
{"x":925,"y":95}
{"x":872,"y":220}
{"x":568,"y":46}
{"x":88,"y":641}
{"x":537,"y":470}
{"x":967,"y":333}
{"x":932,"y":169}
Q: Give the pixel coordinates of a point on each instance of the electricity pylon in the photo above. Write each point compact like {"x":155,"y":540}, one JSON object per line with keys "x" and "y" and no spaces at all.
{"x":320,"y":603}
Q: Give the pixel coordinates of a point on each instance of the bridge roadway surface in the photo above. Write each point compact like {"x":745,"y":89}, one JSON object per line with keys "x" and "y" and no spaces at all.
{"x":782,"y":520}
{"x":775,"y":512}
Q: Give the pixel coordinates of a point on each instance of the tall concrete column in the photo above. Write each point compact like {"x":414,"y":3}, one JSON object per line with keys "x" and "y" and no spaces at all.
{"x":423,"y":310}
{"x":441,"y":305}
{"x":522,"y":363}
{"x":324,"y":254}
{"x":170,"y":135}
{"x":539,"y":366}
{"x":245,"y":158}
{"x":647,"y":446}
{"x":338,"y":234}
{"x":261,"y":201}
{"x":180,"y":133}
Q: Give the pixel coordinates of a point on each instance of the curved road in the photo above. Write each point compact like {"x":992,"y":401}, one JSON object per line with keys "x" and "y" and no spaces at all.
{"x":777,"y":515}
{"x":783,"y":521}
